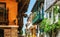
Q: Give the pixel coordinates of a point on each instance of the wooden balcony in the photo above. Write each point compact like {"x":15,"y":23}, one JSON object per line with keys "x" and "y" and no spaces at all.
{"x":38,"y":12}
{"x":37,"y":18}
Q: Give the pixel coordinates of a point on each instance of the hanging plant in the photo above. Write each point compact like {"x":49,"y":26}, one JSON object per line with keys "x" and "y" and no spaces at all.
{"x":56,"y":8}
{"x":58,"y":24}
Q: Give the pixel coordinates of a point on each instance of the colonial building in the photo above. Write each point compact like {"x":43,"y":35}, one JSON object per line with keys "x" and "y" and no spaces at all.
{"x":28,"y":26}
{"x":38,"y":15}
{"x":52,"y":9}
{"x":11,"y":16}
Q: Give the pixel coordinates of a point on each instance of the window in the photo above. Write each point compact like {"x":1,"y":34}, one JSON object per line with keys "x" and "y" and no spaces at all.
{"x":3,"y":13}
{"x":49,"y":14}
{"x":59,"y":16}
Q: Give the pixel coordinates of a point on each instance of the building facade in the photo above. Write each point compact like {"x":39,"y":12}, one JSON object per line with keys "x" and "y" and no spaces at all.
{"x":28,"y":25}
{"x":9,"y":22}
{"x":51,"y":8}
{"x":38,"y":16}
{"x":46,"y":9}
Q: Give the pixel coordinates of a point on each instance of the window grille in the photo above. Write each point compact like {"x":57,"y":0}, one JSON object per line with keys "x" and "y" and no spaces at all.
{"x":3,"y":13}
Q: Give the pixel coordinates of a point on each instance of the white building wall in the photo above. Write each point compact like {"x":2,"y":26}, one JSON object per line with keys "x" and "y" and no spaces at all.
{"x":48,"y":3}
{"x":52,"y":16}
{"x":56,"y":18}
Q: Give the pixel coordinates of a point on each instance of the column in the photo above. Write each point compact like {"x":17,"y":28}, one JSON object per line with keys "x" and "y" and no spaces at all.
{"x":52,"y":16}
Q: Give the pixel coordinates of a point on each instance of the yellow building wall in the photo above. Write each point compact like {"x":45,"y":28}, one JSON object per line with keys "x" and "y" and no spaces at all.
{"x":33,"y":31}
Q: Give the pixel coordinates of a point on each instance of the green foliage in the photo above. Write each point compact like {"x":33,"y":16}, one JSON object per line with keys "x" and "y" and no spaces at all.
{"x":59,"y":10}
{"x":42,"y":24}
{"x":45,"y":24}
{"x":53,"y":26}
{"x":47,"y":28}
{"x":58,"y":24}
{"x":56,"y":9}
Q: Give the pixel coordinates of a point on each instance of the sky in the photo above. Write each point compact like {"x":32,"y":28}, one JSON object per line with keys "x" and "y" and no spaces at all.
{"x":31,"y":4}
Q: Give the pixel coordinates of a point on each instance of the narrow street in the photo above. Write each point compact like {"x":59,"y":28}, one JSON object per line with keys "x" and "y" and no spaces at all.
{"x":29,"y":18}
{"x":44,"y":19}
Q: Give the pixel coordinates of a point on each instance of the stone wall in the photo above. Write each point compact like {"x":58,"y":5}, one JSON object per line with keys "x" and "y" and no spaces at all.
{"x":12,"y":32}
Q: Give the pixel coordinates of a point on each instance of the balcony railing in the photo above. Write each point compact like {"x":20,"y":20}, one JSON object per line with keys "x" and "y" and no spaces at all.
{"x":37,"y":17}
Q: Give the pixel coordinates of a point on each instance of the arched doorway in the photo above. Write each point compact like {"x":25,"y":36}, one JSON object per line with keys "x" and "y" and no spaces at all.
{"x":1,"y":33}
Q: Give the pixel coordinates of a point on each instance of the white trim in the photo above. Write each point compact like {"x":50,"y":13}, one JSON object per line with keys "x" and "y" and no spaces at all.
{"x":52,"y":17}
{"x":5,"y":26}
